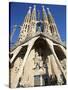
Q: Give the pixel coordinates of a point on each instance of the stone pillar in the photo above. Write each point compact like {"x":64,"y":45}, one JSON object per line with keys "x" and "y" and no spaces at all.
{"x":41,"y":81}
{"x":49,"y":66}
{"x":50,"y":43}
{"x":56,"y":70}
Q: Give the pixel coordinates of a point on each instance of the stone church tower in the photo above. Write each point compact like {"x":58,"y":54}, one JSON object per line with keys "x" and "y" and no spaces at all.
{"x":38,"y":57}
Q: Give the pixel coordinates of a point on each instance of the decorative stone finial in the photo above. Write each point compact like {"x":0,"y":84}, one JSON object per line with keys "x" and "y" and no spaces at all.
{"x":30,"y":7}
{"x":29,"y":10}
{"x":34,"y":6}
{"x":43,"y":7}
{"x":48,"y":9}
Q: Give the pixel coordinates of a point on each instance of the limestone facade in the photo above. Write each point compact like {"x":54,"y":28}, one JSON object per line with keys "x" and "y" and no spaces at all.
{"x":39,"y":57}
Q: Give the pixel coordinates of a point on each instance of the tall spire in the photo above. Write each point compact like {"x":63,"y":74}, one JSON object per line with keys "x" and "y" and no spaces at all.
{"x":25,"y":26}
{"x":44,"y":13}
{"x":45,"y":21}
{"x":51,"y":19}
{"x":33,"y":16}
{"x":53,"y":26}
{"x":38,"y":18}
{"x":32,"y":26}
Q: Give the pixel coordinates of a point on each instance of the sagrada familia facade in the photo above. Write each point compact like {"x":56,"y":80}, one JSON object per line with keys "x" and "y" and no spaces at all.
{"x":38,"y":58}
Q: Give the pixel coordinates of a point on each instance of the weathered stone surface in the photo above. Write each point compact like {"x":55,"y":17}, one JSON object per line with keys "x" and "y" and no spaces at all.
{"x":39,"y":58}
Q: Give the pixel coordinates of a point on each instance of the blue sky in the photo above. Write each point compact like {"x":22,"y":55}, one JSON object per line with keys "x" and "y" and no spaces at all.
{"x":17,"y":12}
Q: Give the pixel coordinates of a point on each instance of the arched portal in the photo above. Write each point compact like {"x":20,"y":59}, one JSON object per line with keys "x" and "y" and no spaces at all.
{"x":42,"y":64}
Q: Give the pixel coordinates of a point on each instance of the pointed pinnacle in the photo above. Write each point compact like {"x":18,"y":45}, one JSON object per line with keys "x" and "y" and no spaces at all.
{"x":30,"y":7}
{"x":44,"y":11}
{"x":43,"y":7}
{"x":48,"y":9}
{"x":34,"y":6}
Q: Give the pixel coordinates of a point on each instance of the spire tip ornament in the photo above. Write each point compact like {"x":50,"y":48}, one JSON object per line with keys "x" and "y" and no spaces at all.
{"x":47,"y":8}
{"x":34,"y":6}
{"x":30,"y":7}
{"x":43,"y":6}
